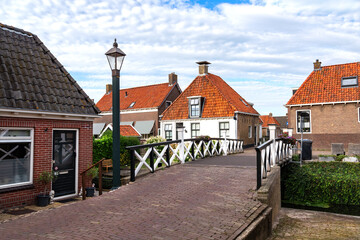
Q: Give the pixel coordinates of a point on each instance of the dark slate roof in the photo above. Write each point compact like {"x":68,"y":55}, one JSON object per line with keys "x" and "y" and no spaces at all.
{"x":31,"y":78}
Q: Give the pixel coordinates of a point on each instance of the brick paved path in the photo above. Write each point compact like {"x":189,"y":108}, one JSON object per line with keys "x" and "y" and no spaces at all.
{"x":182,"y":202}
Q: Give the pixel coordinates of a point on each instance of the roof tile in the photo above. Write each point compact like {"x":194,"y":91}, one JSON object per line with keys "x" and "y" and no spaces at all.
{"x":324,"y":85}
{"x":220,"y":99}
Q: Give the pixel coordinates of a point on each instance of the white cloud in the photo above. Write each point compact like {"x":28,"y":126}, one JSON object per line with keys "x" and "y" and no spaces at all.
{"x":262,"y":49}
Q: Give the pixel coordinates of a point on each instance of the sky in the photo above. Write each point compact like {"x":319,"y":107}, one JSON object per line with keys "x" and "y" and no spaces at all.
{"x":261,"y":48}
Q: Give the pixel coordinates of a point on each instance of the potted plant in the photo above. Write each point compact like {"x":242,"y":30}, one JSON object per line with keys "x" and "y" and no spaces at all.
{"x":44,"y":179}
{"x":92,"y":173}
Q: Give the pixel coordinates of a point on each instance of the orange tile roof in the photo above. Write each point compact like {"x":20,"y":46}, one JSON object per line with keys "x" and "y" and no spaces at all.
{"x":220,"y":99}
{"x":129,"y":131}
{"x":150,"y":96}
{"x":267,"y":119}
{"x":324,"y":85}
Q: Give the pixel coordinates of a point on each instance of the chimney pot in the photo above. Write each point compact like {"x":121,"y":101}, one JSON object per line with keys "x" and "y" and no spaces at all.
{"x":270,"y":114}
{"x":108,"y":88}
{"x":203,"y":67}
{"x":172,"y":79}
{"x":317,"y":65}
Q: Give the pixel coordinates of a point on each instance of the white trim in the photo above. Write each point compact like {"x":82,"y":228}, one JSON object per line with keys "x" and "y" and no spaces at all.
{"x":296,"y":126}
{"x":192,"y":119}
{"x":32,"y":143}
{"x":358,"y":114}
{"x":252,"y":114}
{"x":46,"y":115}
{"x":136,"y":111}
{"x":323,"y":103}
{"x":76,"y":161}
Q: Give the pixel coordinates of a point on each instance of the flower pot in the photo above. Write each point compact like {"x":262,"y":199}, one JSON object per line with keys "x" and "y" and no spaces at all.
{"x":42,"y":200}
{"x":90,"y":191}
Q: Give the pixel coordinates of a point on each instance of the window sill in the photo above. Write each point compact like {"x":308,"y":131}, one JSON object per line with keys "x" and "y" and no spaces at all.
{"x":17,"y":188}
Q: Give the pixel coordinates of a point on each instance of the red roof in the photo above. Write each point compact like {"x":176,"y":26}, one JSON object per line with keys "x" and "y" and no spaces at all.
{"x":220,"y":99}
{"x":324,"y":85}
{"x":150,"y":96}
{"x":129,"y":131}
{"x":268,"y":119}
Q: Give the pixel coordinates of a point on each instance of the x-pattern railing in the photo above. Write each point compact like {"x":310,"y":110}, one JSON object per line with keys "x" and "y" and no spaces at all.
{"x":173,"y":152}
{"x":270,"y":153}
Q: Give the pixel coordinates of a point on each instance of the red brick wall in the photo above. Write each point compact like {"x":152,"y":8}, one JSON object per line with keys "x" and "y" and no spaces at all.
{"x":42,"y":156}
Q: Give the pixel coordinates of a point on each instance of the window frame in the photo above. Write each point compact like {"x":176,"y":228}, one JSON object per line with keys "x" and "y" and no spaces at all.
{"x":227,"y":133}
{"x":250,"y":132}
{"x":168,"y":103}
{"x":132,"y":105}
{"x":168,"y":131}
{"x":21,"y":139}
{"x":296,"y":118}
{"x":349,"y":86}
{"x":194,"y":130}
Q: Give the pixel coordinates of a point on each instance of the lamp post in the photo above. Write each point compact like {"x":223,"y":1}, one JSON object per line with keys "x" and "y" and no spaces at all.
{"x":115,"y":58}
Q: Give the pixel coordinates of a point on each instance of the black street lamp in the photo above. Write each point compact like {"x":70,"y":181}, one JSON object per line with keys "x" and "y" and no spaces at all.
{"x":115,"y":58}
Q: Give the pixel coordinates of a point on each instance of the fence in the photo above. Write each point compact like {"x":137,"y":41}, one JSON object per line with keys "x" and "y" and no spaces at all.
{"x":178,"y":151}
{"x":274,"y":151}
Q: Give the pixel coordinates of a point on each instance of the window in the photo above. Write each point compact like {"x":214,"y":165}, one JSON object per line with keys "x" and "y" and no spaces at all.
{"x":224,"y":129}
{"x":194,"y":107}
{"x":131,"y":105}
{"x":349,"y":81}
{"x":243,"y":102}
{"x":303,"y":117}
{"x":168,"y":132}
{"x":168,"y":103}
{"x":195,"y":130}
{"x":15,"y":157}
{"x":250,"y":132}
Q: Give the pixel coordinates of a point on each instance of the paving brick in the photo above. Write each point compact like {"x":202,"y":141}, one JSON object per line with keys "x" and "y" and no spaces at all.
{"x":181,"y":202}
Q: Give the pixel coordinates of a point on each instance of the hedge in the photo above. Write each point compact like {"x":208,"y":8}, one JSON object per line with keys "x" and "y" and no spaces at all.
{"x":102,"y":148}
{"x":322,"y":182}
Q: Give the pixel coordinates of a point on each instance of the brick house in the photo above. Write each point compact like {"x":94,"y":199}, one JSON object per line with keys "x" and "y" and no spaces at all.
{"x":45,"y":121}
{"x":328,"y":101}
{"x":140,"y":106}
{"x":269,"y":120}
{"x":209,"y":106}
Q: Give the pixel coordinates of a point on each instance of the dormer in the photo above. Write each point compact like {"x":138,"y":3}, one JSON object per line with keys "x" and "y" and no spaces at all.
{"x":196,"y":106}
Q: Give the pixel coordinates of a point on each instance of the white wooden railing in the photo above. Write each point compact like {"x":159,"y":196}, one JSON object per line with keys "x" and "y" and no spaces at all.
{"x":274,"y":151}
{"x":179,"y":151}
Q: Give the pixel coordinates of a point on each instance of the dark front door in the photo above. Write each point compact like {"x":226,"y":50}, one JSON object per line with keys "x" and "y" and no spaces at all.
{"x":64,"y":156}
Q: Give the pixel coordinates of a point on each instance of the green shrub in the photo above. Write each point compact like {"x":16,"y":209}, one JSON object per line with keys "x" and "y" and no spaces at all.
{"x":102,"y":148}
{"x":296,"y":157}
{"x":322,"y":182}
{"x":339,"y":158}
{"x":156,"y":139}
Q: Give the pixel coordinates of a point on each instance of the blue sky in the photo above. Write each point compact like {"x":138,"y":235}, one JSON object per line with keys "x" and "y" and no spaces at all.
{"x":261,"y":48}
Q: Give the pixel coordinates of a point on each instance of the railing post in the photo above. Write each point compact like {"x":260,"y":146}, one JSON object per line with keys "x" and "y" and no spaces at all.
{"x":132,"y":165}
{"x":83,"y":186}
{"x":152,"y":159}
{"x":182,"y":146}
{"x":100,"y":178}
{"x":168,"y":155}
{"x":192,"y":150}
{"x":258,"y":168}
{"x":225,"y":147}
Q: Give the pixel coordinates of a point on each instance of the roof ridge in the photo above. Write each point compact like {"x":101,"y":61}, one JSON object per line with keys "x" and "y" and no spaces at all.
{"x":339,"y":64}
{"x":144,"y":86}
{"x":221,"y":93}
{"x":16,"y":29}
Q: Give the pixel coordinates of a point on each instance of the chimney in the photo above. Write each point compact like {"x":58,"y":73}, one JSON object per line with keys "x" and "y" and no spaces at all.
{"x":317,"y":65}
{"x":172,"y":79}
{"x":126,"y":94}
{"x":270,"y":114}
{"x":108,"y":88}
{"x":203,"y":67}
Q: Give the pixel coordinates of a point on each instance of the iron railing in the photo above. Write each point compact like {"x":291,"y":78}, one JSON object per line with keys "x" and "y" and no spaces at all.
{"x":178,"y":151}
{"x":274,"y":151}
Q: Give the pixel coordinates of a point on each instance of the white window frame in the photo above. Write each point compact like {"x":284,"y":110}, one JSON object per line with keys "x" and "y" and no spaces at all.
{"x":168,"y":103}
{"x":24,"y":139}
{"x":250,"y":131}
{"x":191,"y":130}
{"x":227,"y":133}
{"x":296,"y":119}
{"x":168,"y":130}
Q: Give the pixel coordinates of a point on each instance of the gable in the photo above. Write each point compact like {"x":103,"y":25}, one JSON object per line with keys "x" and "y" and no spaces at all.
{"x":31,"y":78}
{"x":325,"y":86}
{"x":220,"y":100}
